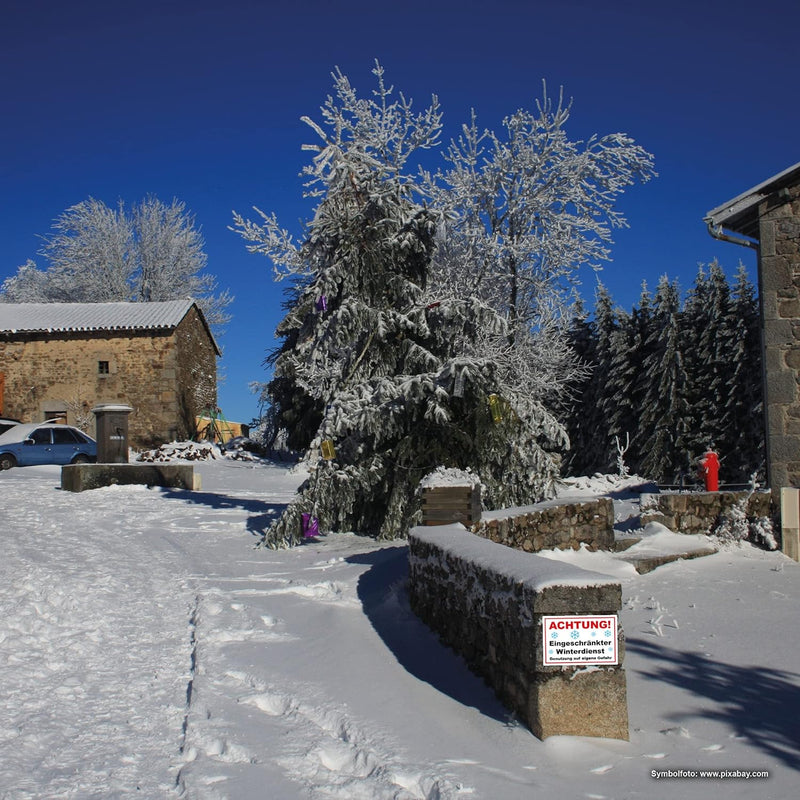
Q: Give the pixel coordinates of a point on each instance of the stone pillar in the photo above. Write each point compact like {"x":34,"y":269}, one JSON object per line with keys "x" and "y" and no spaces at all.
{"x":779,"y":289}
{"x":790,"y":522}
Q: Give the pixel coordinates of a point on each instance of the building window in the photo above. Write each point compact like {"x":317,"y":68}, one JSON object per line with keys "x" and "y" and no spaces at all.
{"x":102,"y":368}
{"x":58,"y":415}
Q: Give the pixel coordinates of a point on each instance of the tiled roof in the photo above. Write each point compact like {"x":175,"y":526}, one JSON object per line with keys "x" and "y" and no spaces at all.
{"x":50,"y":317}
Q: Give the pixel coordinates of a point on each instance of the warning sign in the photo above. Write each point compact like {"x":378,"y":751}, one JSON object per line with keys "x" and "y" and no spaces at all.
{"x":579,"y":640}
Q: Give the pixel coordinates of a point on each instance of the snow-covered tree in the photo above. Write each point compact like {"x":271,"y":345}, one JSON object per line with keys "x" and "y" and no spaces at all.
{"x":402,"y":381}
{"x":676,"y":378}
{"x":745,"y":400}
{"x":664,"y":420}
{"x":99,"y":254}
{"x":591,"y":409}
{"x":525,"y":210}
{"x":623,"y":398}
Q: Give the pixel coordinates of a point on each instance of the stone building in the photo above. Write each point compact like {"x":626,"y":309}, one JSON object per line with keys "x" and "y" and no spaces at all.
{"x":767,"y":218}
{"x":59,"y":360}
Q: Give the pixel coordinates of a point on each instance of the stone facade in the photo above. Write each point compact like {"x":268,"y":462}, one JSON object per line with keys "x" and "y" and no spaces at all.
{"x":551,"y":525}
{"x":779,"y":273}
{"x":168,"y":375}
{"x":699,"y":512}
{"x":486,"y":602}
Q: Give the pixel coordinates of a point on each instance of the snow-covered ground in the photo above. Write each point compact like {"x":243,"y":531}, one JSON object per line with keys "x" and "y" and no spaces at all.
{"x":148,"y":650}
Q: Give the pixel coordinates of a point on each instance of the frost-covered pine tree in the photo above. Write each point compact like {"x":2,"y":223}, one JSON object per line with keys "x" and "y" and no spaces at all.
{"x":588,"y":417}
{"x":625,"y":390}
{"x":664,"y":419}
{"x":403,"y":380}
{"x":745,"y":403}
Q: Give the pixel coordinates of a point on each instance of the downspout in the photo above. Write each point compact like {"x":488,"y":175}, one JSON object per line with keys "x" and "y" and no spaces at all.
{"x":718,"y":234}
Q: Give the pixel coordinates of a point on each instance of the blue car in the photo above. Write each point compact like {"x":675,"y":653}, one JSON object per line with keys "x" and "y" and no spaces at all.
{"x":46,"y":443}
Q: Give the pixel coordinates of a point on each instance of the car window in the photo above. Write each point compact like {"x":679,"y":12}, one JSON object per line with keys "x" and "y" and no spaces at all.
{"x":41,"y":436}
{"x":64,"y":436}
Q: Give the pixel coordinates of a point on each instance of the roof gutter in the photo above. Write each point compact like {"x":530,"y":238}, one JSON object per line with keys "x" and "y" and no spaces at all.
{"x":717,"y":233}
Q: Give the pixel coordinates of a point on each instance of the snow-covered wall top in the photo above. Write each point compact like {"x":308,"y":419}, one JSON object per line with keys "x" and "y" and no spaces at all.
{"x":535,"y":572}
{"x":36,"y":317}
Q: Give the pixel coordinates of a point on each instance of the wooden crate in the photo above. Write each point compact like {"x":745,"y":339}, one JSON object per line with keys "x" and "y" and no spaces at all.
{"x":442,"y":505}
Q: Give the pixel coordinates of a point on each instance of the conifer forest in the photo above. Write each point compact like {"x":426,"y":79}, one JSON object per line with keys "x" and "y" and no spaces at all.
{"x":669,"y":379}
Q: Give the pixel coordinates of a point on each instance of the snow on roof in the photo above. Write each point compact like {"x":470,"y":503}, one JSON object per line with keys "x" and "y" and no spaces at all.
{"x":50,"y":317}
{"x":740,"y":213}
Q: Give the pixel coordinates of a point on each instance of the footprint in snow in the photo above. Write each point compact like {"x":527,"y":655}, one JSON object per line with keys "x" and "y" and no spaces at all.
{"x":679,"y":731}
{"x":274,"y":704}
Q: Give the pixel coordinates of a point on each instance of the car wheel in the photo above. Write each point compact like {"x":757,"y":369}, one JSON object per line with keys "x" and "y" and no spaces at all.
{"x":81,"y":459}
{"x":7,"y":461}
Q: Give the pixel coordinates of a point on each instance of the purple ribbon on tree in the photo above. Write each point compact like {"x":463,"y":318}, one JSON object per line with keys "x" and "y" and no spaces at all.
{"x":310,"y":525}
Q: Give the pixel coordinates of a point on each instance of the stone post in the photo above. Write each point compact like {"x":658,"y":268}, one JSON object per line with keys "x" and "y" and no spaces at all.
{"x":790,"y":522}
{"x":779,"y":290}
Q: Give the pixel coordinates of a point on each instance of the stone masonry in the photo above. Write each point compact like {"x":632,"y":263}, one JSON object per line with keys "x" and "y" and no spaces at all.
{"x":168,"y":376}
{"x":551,"y":524}
{"x":486,"y":602}
{"x":698,"y":512}
{"x":779,"y":256}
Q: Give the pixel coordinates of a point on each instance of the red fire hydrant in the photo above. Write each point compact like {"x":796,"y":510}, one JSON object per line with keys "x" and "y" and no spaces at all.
{"x":709,"y":466}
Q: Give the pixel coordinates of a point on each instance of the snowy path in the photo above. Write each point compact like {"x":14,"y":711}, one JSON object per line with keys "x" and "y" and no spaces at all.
{"x":307,"y":676}
{"x":95,"y":642}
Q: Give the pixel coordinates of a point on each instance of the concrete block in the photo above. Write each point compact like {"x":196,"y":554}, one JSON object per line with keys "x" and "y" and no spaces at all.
{"x":579,"y":703}
{"x":790,"y":522}
{"x":80,"y":477}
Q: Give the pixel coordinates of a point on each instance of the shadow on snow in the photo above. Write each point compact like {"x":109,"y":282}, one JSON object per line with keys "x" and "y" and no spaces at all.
{"x":760,"y":704}
{"x":262,"y":514}
{"x":384,"y":597}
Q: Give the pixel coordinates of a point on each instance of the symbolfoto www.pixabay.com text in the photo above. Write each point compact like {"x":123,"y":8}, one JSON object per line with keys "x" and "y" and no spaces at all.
{"x":708,"y":774}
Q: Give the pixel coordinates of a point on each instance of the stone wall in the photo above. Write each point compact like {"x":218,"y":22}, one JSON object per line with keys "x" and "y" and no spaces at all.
{"x":486,"y":601}
{"x":196,"y":372}
{"x":552,"y":524}
{"x":779,"y":286}
{"x":698,"y":512}
{"x":153,"y":371}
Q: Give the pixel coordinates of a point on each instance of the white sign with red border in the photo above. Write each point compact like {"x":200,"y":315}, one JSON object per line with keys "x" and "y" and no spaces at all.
{"x":572,"y":640}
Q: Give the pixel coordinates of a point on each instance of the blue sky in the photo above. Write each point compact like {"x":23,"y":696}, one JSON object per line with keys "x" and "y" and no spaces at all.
{"x":202,"y":101}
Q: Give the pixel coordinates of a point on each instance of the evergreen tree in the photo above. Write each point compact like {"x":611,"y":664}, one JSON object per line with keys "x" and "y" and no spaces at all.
{"x":627,"y":384}
{"x":583,"y":342}
{"x":588,"y":415}
{"x":403,"y":383}
{"x":695,"y":319}
{"x":745,"y":403}
{"x":664,"y":420}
